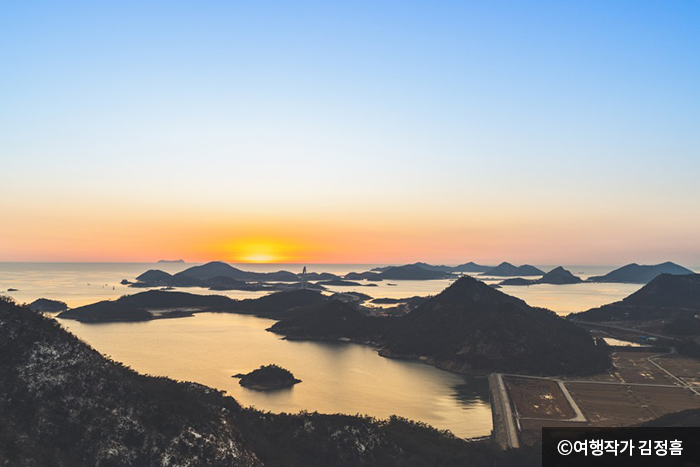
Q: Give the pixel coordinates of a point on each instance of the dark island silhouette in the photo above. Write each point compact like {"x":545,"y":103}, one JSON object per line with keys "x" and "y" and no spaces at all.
{"x":217,"y":275}
{"x":466,"y":267}
{"x":339,"y":283}
{"x":640,"y":274}
{"x":155,"y":276}
{"x":471,"y":267}
{"x":321,"y":276}
{"x":136,"y":307}
{"x":394,"y":301}
{"x":422,"y":265}
{"x":415,"y":272}
{"x":350,"y":296}
{"x":517,"y":281}
{"x":159,"y":304}
{"x":226,"y":283}
{"x":267,"y":377}
{"x":368,"y":275}
{"x":219,"y":268}
{"x":557,"y":276}
{"x":508,"y":270}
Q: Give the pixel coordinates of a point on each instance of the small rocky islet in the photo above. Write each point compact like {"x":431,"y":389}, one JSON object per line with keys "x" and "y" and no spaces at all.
{"x":267,"y":377}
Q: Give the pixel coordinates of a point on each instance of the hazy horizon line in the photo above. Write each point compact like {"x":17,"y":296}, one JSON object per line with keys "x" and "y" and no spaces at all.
{"x":385,"y":263}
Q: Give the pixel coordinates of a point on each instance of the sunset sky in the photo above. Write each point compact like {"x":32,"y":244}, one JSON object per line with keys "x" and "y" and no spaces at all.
{"x":365,"y":132}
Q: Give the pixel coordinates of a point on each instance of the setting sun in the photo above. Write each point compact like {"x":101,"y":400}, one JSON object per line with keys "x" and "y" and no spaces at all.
{"x":259,"y":258}
{"x":261,"y":251}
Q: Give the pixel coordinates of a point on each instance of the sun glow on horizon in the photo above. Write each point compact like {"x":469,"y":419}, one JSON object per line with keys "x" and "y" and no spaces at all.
{"x":256,"y":250}
{"x":259,"y":258}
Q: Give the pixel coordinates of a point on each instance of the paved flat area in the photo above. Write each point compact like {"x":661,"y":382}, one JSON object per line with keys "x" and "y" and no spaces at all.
{"x":634,"y":367}
{"x":686,"y":369}
{"x":538,"y":398}
{"x":620,"y":405}
{"x":641,"y":387}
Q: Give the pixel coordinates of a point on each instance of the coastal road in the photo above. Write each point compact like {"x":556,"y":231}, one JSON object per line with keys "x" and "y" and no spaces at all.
{"x":502,"y":407}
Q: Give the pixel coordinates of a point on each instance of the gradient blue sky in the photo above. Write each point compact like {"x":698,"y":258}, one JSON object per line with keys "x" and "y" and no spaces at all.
{"x":351,"y":131}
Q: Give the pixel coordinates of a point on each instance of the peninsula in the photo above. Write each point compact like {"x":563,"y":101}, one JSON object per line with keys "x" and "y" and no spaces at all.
{"x":468,"y":328}
{"x":158,"y":304}
{"x":669,"y":303}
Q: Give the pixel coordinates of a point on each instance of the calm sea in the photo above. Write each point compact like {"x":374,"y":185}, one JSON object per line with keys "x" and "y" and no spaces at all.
{"x":337,"y":377}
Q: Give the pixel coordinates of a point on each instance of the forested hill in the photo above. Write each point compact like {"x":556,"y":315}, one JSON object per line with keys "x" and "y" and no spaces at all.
{"x":63,"y":403}
{"x":468,"y":328}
